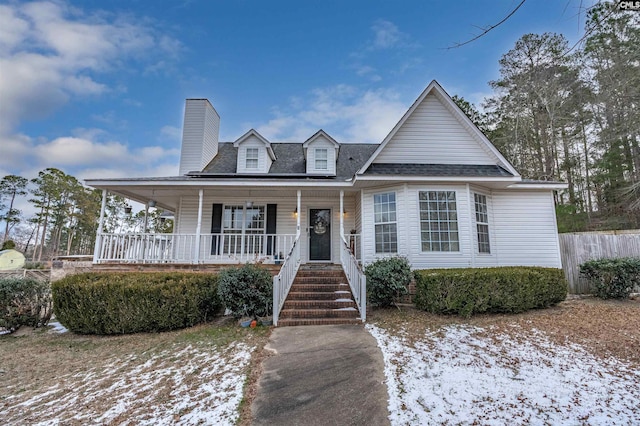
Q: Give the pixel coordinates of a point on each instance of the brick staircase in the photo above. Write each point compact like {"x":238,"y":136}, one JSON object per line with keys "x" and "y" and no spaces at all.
{"x":319,"y":295}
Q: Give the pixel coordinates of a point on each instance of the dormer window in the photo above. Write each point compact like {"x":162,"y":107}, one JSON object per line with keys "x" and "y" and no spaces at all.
{"x":321,"y":158}
{"x":252,"y":158}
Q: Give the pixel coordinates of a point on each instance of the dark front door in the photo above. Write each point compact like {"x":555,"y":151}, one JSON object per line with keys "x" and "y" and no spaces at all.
{"x":319,"y":234}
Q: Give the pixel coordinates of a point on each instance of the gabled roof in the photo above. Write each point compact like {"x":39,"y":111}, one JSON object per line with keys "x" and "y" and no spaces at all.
{"x":316,"y":135}
{"x":290,"y":160}
{"x":435,"y":88}
{"x":258,"y":136}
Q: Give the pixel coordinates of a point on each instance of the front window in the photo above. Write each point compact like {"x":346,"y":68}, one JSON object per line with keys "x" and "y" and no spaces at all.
{"x":252,"y":158}
{"x":245,"y":227}
{"x":384,"y":208}
{"x":321,"y":159}
{"x":482,"y":223}
{"x":439,"y":221}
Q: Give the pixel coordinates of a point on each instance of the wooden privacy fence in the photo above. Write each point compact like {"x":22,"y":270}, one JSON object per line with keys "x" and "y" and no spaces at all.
{"x":577,"y":248}
{"x":38,"y":274}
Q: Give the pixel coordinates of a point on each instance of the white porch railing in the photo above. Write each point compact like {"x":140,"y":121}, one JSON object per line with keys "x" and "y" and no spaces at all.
{"x":356,"y":277}
{"x":181,"y":248}
{"x":283,"y":281}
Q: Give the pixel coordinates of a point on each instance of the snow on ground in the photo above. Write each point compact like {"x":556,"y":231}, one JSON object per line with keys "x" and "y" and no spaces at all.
{"x":56,"y":327}
{"x":189,"y":386}
{"x":469,"y":375}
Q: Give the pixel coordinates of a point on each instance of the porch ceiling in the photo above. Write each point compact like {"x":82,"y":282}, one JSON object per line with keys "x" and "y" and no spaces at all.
{"x":168,"y":197}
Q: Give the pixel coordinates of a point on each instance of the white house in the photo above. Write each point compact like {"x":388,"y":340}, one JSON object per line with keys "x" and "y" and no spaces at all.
{"x":434,"y":190}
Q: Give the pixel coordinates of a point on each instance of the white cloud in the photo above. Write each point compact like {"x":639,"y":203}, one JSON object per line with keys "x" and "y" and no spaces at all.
{"x":50,"y":52}
{"x":171,"y":134}
{"x":345,"y":112}
{"x":386,"y":35}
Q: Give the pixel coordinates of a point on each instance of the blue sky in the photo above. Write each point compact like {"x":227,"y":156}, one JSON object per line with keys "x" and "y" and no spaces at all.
{"x":97,"y":88}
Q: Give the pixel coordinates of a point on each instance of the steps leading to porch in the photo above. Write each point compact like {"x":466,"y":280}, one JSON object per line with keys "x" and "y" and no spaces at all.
{"x":320,"y":295}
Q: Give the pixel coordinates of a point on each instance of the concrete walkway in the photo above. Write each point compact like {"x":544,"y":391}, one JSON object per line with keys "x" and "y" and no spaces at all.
{"x":322,"y":375}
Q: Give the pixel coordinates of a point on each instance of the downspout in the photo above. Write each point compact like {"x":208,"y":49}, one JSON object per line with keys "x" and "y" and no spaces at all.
{"x":196,"y":257}
{"x":98,"y":245}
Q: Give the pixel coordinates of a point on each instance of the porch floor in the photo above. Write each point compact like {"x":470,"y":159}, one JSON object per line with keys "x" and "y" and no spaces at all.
{"x":320,"y":295}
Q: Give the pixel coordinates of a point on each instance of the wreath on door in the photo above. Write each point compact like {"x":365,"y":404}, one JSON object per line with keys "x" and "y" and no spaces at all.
{"x":320,"y":227}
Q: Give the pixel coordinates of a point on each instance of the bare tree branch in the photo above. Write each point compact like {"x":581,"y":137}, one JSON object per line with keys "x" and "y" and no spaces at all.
{"x":489,"y":28}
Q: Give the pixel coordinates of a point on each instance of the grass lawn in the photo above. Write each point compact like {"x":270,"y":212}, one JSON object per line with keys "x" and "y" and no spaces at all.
{"x":577,"y":363}
{"x":181,"y":377}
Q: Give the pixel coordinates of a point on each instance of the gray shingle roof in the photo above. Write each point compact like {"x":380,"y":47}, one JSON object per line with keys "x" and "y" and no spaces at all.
{"x":445,"y":170}
{"x":290,"y":160}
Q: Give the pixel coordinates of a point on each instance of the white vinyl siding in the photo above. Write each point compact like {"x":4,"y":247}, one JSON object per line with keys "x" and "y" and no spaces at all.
{"x":186,"y":221}
{"x":325,"y":163}
{"x":246,"y":156}
{"x":439,"y":221}
{"x":386,"y":228}
{"x":433,"y":135}
{"x":482,"y":223}
{"x":525,"y":228}
{"x":199,"y":135}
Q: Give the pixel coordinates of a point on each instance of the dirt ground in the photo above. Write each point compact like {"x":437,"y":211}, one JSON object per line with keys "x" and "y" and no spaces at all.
{"x":74,"y":378}
{"x":605,"y":327}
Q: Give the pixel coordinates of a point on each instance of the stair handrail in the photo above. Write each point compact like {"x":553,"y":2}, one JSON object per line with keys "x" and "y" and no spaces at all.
{"x":283,"y":281}
{"x":356,"y":278}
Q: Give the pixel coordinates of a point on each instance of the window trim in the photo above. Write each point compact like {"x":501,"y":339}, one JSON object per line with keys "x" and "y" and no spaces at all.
{"x":478,"y":223}
{"x":388,"y":222}
{"x":437,"y":213}
{"x":256,"y":158}
{"x":325,"y":159}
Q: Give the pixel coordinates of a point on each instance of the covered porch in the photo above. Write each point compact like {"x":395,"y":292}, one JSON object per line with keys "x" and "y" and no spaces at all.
{"x":235,"y":225}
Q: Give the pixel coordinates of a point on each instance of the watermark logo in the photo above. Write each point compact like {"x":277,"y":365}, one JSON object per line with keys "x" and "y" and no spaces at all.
{"x":629,"y":5}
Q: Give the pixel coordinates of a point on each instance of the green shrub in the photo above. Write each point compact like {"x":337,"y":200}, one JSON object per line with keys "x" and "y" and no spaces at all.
{"x":24,"y":301}
{"x":247,"y":290}
{"x":612,"y":278}
{"x":133,"y":302}
{"x":8,"y":245}
{"x":497,"y":290}
{"x":387,"y":279}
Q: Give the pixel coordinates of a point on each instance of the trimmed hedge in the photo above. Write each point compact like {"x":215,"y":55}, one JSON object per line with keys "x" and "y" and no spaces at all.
{"x":247,"y":290}
{"x":496,"y":290}
{"x":133,"y":302}
{"x":24,"y":301}
{"x":387,"y":280}
{"x":612,"y":278}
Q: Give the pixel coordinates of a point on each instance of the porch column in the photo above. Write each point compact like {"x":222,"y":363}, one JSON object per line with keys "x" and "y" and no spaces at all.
{"x":196,"y":257}
{"x":98,"y":245}
{"x":341,"y":216}
{"x":298,"y":207}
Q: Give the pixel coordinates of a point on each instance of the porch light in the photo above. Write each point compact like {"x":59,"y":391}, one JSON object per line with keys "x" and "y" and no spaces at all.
{"x":344,"y":212}
{"x":295,"y":212}
{"x":127,"y":209}
{"x":152,"y":203}
{"x":249,"y":204}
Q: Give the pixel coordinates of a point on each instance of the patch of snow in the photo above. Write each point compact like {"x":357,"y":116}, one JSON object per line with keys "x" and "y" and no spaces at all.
{"x":344,"y":300}
{"x":56,"y":327}
{"x":345,"y":309}
{"x":197,"y":385}
{"x":458,"y":376}
{"x":342,"y":291}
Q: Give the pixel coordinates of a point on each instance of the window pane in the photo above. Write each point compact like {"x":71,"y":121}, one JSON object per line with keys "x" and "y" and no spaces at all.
{"x":438,"y":221}
{"x":384,"y":207}
{"x":482,"y":223}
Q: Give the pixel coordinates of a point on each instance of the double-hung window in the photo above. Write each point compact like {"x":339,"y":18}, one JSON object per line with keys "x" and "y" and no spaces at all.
{"x":251,"y":161}
{"x":384,"y":207}
{"x":321,"y":158}
{"x":439,"y":221}
{"x":245,"y":228}
{"x":482,"y":223}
